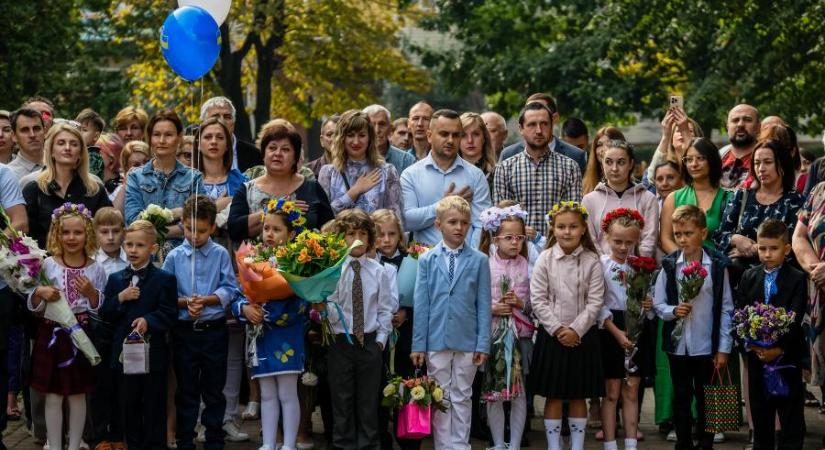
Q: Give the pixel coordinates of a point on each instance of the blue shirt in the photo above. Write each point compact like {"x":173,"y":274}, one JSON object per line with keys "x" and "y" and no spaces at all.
{"x":10,"y":195}
{"x":213,"y":275}
{"x":770,"y":283}
{"x":423,"y":184}
{"x":399,"y":159}
{"x":147,"y":186}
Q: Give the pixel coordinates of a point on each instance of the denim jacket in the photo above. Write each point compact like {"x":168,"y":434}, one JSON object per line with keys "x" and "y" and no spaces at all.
{"x":145,"y":186}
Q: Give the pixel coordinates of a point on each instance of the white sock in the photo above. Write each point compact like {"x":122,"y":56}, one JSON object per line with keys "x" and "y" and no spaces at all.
{"x":518,"y":416}
{"x":630,"y":444}
{"x":495,"y":418}
{"x":77,"y":419}
{"x":290,"y":407}
{"x":611,"y":445}
{"x":54,"y":420}
{"x":577,"y":427}
{"x":552,"y":428}
{"x":269,"y":410}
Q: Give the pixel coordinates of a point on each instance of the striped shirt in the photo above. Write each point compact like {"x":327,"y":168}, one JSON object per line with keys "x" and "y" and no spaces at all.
{"x":537,"y":185}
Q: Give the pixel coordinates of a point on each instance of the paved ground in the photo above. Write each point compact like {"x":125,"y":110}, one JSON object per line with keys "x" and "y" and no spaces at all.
{"x":17,"y":438}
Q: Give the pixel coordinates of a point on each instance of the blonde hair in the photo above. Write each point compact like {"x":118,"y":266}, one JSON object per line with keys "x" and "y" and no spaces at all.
{"x":108,"y":216}
{"x":144,"y":226}
{"x":129,"y":114}
{"x":53,"y":243}
{"x":133,"y":147}
{"x":353,"y":121}
{"x":569,"y":207}
{"x":690,"y":213}
{"x":455,"y":202}
{"x":81,"y":170}
{"x":385,"y":216}
{"x":488,"y":155}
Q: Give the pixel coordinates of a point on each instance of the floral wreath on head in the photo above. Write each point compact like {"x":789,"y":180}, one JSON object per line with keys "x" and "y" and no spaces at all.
{"x":617,"y":213}
{"x":288,"y":207}
{"x":68,"y":208}
{"x":566,"y":207}
{"x":491,"y":218}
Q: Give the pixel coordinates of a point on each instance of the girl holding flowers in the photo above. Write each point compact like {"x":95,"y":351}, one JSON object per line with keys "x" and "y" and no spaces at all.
{"x":503,"y":240}
{"x":277,"y":357}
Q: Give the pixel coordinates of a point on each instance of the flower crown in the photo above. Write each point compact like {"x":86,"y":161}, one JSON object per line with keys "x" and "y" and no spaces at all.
{"x":491,"y":218}
{"x":288,"y":207}
{"x":617,"y":213}
{"x":566,"y":207}
{"x":69,"y":208}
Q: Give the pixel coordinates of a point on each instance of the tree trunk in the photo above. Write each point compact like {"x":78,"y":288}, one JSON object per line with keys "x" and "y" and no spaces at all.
{"x":229,"y":78}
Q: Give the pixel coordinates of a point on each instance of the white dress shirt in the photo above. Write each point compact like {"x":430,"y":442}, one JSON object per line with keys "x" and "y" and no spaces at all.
{"x":111,"y":264}
{"x":378,"y":286}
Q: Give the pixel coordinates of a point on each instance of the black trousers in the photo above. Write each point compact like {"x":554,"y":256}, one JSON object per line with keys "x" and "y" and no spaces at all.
{"x":103,"y":415}
{"x":689,"y":375}
{"x":764,"y":409}
{"x":143,"y":410}
{"x":8,"y":303}
{"x":200,"y":369}
{"x":354,"y":378}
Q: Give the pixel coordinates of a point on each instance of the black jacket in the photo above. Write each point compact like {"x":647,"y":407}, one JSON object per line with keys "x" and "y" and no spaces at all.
{"x":248,"y":155}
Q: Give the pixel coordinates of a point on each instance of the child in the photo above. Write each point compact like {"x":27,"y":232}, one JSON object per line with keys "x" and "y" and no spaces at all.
{"x":141,"y":300}
{"x":503,"y":240}
{"x":57,"y":370}
{"x":364,"y":295}
{"x":451,"y":330}
{"x":279,"y":357}
{"x":566,"y":294}
{"x":624,"y":230}
{"x":200,"y":337}
{"x":777,"y":283}
{"x":706,"y":341}
{"x":108,"y":223}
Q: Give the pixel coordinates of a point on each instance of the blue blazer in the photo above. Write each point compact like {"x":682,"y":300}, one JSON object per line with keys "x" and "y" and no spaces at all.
{"x":452,"y":316}
{"x":158,"y":304}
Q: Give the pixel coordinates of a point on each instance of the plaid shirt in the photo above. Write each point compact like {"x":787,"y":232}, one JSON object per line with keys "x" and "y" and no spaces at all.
{"x":537,"y":185}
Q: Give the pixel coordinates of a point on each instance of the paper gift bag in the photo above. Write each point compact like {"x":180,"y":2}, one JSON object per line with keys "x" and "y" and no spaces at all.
{"x":414,"y":421}
{"x":135,"y":357}
{"x":721,"y":404}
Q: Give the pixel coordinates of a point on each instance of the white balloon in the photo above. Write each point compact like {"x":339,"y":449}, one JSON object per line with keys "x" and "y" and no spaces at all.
{"x":218,"y":9}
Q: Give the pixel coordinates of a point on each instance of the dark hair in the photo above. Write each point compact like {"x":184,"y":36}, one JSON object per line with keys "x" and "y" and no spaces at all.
{"x":356,"y":219}
{"x":533,"y":106}
{"x":547,"y":98}
{"x":160,"y":116}
{"x":773,"y":229}
{"x":807,"y":155}
{"x":573,"y":128}
{"x":709,"y":150}
{"x":90,"y":115}
{"x":447,"y":113}
{"x":668,"y":163}
{"x":28,"y":112}
{"x":202,"y":207}
{"x":276,"y":133}
{"x":197,"y":156}
{"x":783,"y":162}
{"x":39,"y":98}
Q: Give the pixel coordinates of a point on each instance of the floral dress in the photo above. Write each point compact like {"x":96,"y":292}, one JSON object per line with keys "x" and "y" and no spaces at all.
{"x":744,"y":214}
{"x":278,"y":346}
{"x":385,"y":194}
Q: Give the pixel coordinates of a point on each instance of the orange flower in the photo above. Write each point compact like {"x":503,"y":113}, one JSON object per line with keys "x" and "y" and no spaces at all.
{"x":333,"y":254}
{"x":281,"y":252}
{"x":304,"y":256}
{"x":319,"y":251}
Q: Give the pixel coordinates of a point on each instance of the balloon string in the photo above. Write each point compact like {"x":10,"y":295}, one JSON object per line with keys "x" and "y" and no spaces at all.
{"x":193,"y":188}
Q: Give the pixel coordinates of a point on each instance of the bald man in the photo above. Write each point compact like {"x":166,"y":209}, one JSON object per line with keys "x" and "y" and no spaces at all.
{"x":743,"y":130}
{"x":418,"y":124}
{"x":497,"y":127}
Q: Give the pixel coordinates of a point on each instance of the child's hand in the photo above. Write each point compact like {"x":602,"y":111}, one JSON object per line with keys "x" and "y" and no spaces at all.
{"x":767,"y":354}
{"x":417,"y":358}
{"x":502,"y":309}
{"x":253,"y":313}
{"x":720,"y":360}
{"x":194,"y":308}
{"x":399,"y":318}
{"x":48,"y":293}
{"x":623,"y":341}
{"x":568,"y":337}
{"x":84,"y":286}
{"x":479,"y":358}
{"x":647,"y":304}
{"x":140,"y":325}
{"x":512,"y":299}
{"x":682,"y":310}
{"x":129,"y":294}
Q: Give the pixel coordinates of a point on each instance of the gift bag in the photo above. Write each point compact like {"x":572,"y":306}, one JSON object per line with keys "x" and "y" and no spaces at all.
{"x":721,"y":404}
{"x":414,"y":421}
{"x":135,"y":355}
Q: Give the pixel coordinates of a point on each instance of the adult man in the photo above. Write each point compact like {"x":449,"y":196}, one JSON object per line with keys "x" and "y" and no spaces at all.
{"x":43,"y":106}
{"x":130,"y":124}
{"x":574,"y":132}
{"x":244,"y":154}
{"x":419,"y":125}
{"x":29,"y":134}
{"x":538,"y":177}
{"x":556,"y":145}
{"x":400,"y":135}
{"x":497,"y":127}
{"x":743,"y":129}
{"x":6,"y":138}
{"x":327,"y":134}
{"x":442,"y":173}
{"x":380,"y":120}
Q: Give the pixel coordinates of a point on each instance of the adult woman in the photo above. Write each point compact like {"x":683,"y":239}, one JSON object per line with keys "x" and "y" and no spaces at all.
{"x":212,"y":155}
{"x":130,"y":124}
{"x":110,"y":148}
{"x":65,"y":178}
{"x":327,"y":134}
{"x":678,"y":131}
{"x":476,"y":146}
{"x":282,"y":153}
{"x":593,"y":174}
{"x":667,"y":177}
{"x":162,"y":181}
{"x":358,"y":176}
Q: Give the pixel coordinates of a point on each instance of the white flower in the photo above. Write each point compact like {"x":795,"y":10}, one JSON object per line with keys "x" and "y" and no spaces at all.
{"x":389,"y":390}
{"x":154,"y":209}
{"x":249,"y":260}
{"x":417,"y":393}
{"x":309,"y":379}
{"x":167,"y":215}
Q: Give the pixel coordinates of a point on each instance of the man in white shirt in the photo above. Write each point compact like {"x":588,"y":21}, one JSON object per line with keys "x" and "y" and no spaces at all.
{"x":29,"y":135}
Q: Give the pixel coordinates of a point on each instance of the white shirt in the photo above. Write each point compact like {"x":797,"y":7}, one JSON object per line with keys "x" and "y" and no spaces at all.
{"x":448,"y":251}
{"x":110,"y":264}
{"x":378,"y":286}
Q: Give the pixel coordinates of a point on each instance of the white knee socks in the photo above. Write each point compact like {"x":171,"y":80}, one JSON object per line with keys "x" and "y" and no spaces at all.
{"x":280,"y":393}
{"x":552,"y":428}
{"x":54,"y":420}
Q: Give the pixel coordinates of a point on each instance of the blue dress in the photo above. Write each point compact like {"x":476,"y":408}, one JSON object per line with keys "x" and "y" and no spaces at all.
{"x":278,"y":347}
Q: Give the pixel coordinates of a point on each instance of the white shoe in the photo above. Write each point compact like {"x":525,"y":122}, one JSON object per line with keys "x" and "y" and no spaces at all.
{"x":252,"y":411}
{"x":718,"y":438}
{"x":671,"y":437}
{"x":201,"y":436}
{"x":233,"y":434}
{"x":46,"y":446}
{"x":83,"y":445}
{"x":265,"y":447}
{"x":305,"y":445}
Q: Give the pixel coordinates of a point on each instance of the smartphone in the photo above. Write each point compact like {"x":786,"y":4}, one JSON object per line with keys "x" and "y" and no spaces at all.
{"x":677,"y":101}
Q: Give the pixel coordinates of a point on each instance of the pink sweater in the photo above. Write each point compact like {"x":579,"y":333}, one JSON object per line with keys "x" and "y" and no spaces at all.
{"x":603,"y":199}
{"x":516,"y":269}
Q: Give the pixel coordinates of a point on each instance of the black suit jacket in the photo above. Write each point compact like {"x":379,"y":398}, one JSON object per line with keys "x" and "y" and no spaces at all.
{"x":158,"y":304}
{"x":791,"y":294}
{"x":248,"y":155}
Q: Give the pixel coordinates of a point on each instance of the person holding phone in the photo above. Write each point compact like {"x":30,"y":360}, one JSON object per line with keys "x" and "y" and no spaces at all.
{"x":678,"y":130}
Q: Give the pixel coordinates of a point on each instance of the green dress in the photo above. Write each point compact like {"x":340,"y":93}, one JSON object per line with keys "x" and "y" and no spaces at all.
{"x":663,"y":386}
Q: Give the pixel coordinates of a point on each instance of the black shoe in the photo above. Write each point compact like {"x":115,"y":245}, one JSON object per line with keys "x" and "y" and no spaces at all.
{"x":524,"y":441}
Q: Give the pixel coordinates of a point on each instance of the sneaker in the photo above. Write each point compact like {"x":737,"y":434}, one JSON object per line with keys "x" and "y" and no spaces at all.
{"x":252,"y":411}
{"x":201,"y":433}
{"x":172,"y":445}
{"x":233,"y":434}
{"x":671,"y":437}
{"x":718,"y":438}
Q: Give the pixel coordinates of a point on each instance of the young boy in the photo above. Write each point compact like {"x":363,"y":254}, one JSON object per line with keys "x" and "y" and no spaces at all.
{"x":451,"y":326}
{"x":706,"y":340}
{"x":365,"y":296}
{"x":141,"y":298}
{"x":779,"y":284}
{"x":200,"y":337}
{"x":108,"y":223}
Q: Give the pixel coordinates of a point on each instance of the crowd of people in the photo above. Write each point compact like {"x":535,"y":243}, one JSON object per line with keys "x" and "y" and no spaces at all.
{"x":538,"y":232}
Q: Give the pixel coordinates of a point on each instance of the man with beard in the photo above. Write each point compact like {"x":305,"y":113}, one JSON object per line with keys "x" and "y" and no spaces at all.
{"x":380,"y":120}
{"x":743,"y":128}
{"x":538,"y":177}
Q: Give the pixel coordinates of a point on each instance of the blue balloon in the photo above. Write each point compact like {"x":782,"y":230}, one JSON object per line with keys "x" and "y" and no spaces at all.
{"x":190,"y":41}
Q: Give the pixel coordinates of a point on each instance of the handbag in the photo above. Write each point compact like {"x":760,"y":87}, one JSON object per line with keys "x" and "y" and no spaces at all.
{"x":135,"y":355}
{"x":722,"y":408}
{"x":414,"y":421}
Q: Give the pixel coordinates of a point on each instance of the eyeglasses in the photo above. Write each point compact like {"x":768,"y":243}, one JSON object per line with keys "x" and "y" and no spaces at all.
{"x":512,"y":237}
{"x":692,"y":159}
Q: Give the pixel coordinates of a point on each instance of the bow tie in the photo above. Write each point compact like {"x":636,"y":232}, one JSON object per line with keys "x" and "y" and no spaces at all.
{"x":141,"y":273}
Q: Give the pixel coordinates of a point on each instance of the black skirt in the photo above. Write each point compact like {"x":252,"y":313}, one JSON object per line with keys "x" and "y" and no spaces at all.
{"x":613,"y":355}
{"x":567,"y":373}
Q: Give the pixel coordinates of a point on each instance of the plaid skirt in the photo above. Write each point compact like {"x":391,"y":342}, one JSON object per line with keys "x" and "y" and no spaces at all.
{"x":57,"y":366}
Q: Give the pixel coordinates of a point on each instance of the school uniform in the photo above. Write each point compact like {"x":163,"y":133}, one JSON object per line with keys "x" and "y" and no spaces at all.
{"x":784,"y":287}
{"x":452,"y":322}
{"x":142,"y":398}
{"x":707,"y":330}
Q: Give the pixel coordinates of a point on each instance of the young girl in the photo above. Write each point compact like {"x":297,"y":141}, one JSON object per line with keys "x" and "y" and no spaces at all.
{"x":279,"y":359}
{"x":624,"y":228}
{"x":503,"y":241}
{"x":58,"y":370}
{"x":566,"y":294}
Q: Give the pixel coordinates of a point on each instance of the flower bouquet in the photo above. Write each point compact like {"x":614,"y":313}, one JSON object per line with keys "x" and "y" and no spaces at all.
{"x":502,"y":376}
{"x":693,"y":277}
{"x":636,"y":281}
{"x":161,"y":218}
{"x":415,"y":398}
{"x":762,"y":325}
{"x":258,"y":274}
{"x":407,"y":273}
